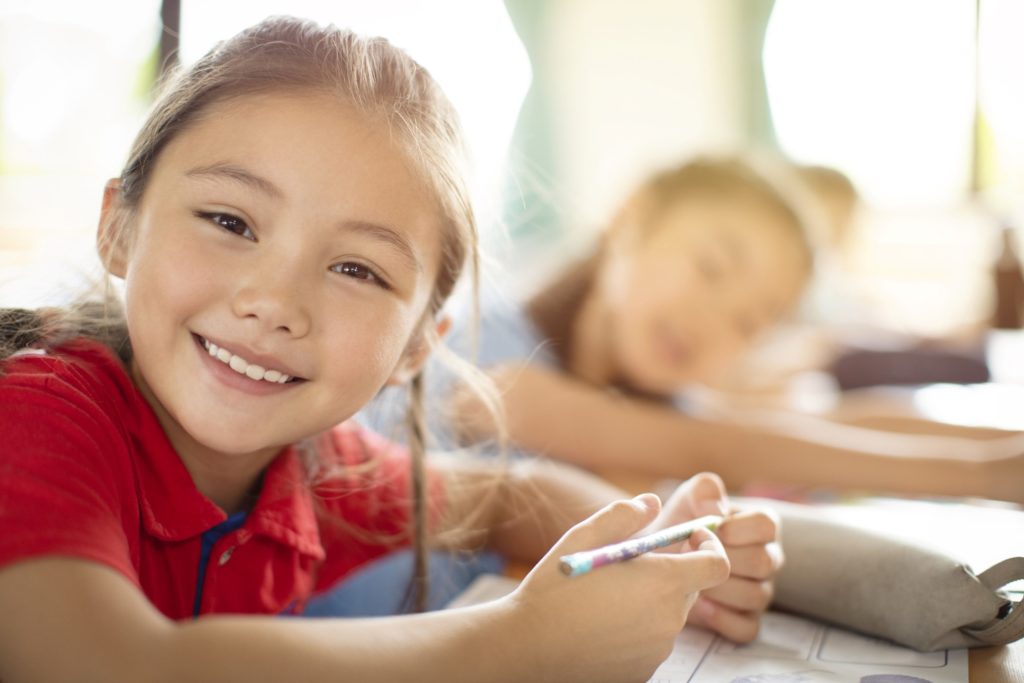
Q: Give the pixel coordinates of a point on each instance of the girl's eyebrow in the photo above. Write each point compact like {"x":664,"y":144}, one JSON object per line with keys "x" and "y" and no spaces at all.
{"x":238,"y":174}
{"x":733,"y":248}
{"x":381,"y":233}
{"x":388,"y":236}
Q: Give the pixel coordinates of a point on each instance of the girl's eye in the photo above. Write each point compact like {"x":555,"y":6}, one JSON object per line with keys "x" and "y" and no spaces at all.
{"x":358,"y":271}
{"x":232,"y":224}
{"x":746,"y":327}
{"x":709,"y":268}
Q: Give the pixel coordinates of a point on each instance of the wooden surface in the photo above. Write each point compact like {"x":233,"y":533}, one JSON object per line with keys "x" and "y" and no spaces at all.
{"x":1003,"y":664}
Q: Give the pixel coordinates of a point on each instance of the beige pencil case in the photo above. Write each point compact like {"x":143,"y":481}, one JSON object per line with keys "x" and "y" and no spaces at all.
{"x":885,"y":586}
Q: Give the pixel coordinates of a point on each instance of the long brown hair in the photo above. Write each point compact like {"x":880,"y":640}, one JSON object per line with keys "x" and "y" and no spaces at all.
{"x":287,"y":54}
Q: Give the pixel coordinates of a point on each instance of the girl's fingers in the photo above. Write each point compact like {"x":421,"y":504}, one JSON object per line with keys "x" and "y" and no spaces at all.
{"x":701,"y":569}
{"x":759,"y":562}
{"x":739,"y":627}
{"x":701,"y":494}
{"x":743,"y":595}
{"x":751,"y":527}
{"x":613,"y":523}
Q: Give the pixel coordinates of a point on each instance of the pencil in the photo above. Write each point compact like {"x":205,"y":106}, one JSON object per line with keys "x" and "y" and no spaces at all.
{"x":582,"y":562}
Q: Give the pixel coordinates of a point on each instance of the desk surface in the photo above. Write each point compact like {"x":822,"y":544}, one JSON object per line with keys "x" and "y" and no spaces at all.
{"x":957,"y":528}
{"x":1003,"y":664}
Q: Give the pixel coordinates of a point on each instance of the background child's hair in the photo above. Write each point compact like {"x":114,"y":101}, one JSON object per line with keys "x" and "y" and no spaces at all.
{"x":834,"y":196}
{"x":287,"y":54}
{"x":731,"y":178}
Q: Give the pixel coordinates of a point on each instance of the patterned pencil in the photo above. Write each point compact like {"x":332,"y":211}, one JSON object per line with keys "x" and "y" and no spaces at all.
{"x":582,"y":562}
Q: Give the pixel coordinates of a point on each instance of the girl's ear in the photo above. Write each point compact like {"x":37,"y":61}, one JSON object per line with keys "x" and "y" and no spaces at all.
{"x":111,"y":242}
{"x":418,"y":351}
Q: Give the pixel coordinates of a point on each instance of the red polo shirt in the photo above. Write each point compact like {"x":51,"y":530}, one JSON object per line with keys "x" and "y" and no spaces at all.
{"x":86,"y":471}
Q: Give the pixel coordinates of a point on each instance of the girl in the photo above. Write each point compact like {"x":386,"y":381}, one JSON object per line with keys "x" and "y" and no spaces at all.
{"x":697,"y":263}
{"x":290,"y":220}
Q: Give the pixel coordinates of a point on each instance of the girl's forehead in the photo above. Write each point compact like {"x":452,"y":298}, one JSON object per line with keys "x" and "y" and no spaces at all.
{"x":307,"y":139}
{"x":737,"y":222}
{"x":309,"y":153}
{"x":745,"y":235}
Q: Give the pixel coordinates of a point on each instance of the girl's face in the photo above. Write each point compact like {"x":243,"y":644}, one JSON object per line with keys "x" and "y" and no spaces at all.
{"x":691,"y":293}
{"x":280,"y":264}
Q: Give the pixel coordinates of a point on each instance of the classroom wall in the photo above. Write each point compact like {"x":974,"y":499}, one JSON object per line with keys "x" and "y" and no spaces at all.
{"x":638,"y":89}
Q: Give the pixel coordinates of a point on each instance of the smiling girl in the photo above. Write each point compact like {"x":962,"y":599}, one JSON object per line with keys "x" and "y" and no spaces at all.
{"x":290,"y":220}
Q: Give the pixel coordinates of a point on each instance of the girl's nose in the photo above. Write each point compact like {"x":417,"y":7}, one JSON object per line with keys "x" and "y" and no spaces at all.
{"x":275,"y":302}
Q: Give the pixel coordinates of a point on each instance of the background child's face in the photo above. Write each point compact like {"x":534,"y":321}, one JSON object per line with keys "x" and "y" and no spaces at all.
{"x":692,"y":292}
{"x":292,"y":232}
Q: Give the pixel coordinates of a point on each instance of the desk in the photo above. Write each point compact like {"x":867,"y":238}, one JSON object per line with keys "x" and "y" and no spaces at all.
{"x":919,"y":520}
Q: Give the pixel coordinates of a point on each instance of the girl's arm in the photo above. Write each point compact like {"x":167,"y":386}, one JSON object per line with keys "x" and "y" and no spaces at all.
{"x":70,"y":619}
{"x":552,"y":413}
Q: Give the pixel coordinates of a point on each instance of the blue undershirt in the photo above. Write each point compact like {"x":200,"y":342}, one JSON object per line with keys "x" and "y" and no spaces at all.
{"x":210,"y":537}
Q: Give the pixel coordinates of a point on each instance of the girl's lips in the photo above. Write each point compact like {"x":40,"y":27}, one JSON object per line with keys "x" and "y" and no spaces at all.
{"x":671,"y":347}
{"x":249,"y":356}
{"x":234,"y":380}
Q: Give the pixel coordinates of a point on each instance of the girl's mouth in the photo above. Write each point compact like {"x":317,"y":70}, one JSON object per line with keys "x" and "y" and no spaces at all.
{"x":243,"y":367}
{"x":672,"y":347}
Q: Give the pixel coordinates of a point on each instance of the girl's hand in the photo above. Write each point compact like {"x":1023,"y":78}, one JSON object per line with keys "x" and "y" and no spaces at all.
{"x":750,"y":537}
{"x":618,"y":622}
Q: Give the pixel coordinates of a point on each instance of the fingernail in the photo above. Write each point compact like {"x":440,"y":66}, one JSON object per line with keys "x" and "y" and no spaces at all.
{"x":644,"y":500}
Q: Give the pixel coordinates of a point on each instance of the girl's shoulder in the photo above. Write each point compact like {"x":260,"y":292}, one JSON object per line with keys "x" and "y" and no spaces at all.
{"x":79,"y":378}
{"x":353,"y":456}
{"x":78,"y":370}
{"x":68,"y":473}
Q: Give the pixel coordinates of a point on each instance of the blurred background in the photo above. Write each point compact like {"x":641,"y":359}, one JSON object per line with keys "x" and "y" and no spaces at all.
{"x":567,"y":103}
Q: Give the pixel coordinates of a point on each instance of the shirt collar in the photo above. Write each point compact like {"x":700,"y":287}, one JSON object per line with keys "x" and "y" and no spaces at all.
{"x":284,"y":510}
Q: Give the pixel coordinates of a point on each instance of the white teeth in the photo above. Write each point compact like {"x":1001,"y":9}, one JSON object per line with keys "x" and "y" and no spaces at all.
{"x":244,"y":367}
{"x":254,"y":372}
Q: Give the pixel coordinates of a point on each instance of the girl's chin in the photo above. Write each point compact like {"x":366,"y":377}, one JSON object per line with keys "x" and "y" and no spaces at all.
{"x":229,"y":440}
{"x":653,"y":383}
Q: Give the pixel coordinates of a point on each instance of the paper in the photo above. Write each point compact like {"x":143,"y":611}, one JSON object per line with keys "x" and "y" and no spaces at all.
{"x":789,"y":649}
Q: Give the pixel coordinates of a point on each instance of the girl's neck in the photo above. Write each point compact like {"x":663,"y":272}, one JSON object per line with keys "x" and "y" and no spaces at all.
{"x":572,"y":317}
{"x":230,"y":488}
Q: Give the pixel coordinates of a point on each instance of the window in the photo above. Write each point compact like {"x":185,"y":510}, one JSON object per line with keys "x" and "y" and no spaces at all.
{"x":74,"y":85}
{"x":921,"y":104}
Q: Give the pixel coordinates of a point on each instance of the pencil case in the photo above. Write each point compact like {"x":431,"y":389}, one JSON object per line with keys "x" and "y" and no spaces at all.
{"x":887,"y":587}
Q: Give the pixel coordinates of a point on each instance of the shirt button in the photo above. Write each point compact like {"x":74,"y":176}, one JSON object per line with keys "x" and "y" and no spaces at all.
{"x":225,"y":556}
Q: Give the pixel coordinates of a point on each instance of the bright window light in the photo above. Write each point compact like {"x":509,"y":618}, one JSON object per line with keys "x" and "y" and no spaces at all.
{"x":1002,"y":100}
{"x":74,"y":86}
{"x":882,"y":90}
{"x":69,"y":83}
